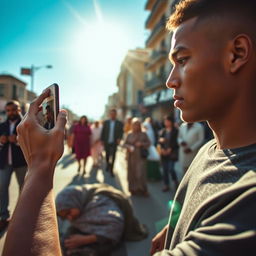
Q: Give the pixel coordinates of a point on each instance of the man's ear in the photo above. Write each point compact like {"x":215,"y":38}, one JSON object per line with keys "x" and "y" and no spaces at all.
{"x":240,"y":51}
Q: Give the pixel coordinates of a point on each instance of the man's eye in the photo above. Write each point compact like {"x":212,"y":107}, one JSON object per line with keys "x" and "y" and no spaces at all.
{"x":182,"y":60}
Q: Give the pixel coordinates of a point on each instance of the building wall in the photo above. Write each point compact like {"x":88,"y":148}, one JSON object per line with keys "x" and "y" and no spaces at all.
{"x":158,"y":67}
{"x":130,"y":82}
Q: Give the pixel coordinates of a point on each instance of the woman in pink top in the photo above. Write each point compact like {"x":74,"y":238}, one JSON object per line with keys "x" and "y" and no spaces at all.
{"x":82,"y":133}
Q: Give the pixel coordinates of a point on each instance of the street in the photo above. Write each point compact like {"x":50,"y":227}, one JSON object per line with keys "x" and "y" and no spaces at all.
{"x":152,"y":211}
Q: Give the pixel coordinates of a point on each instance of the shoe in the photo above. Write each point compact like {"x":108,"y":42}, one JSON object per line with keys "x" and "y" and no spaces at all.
{"x":4,"y":224}
{"x":166,"y":189}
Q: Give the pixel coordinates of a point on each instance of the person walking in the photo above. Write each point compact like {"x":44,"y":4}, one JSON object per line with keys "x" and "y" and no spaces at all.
{"x":96,"y":145}
{"x":82,"y":133}
{"x":112,"y":133}
{"x":168,"y":141}
{"x":136,"y":143}
{"x":190,"y":139}
{"x":11,"y":158}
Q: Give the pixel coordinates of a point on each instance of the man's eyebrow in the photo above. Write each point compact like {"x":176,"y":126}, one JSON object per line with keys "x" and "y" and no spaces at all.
{"x":173,"y":54}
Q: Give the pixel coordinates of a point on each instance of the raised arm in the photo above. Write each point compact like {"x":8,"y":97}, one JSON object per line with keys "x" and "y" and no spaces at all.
{"x":33,"y":228}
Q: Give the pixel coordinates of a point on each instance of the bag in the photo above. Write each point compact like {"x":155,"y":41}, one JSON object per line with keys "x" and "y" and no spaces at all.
{"x":153,"y":154}
{"x":144,"y":152}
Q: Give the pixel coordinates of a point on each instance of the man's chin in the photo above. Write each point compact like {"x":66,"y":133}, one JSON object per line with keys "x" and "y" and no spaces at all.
{"x":13,"y":118}
{"x":190,"y":118}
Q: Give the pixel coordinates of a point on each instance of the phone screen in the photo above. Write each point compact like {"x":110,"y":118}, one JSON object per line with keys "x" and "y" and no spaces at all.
{"x":50,"y":108}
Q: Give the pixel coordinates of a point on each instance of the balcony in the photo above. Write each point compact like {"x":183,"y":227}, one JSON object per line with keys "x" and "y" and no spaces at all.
{"x":149,"y":5}
{"x":158,"y":9}
{"x":156,"y":81}
{"x":157,"y":32}
{"x":157,"y":57}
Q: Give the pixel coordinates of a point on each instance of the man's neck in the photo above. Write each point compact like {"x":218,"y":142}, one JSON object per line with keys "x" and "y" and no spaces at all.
{"x":236,"y":130}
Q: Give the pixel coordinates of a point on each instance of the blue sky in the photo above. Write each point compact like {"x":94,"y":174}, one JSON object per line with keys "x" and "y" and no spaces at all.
{"x":85,"y":42}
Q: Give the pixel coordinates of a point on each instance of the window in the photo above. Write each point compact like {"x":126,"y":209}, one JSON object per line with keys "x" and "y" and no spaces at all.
{"x":21,"y":93}
{"x":14,"y":92}
{"x":2,"y":89}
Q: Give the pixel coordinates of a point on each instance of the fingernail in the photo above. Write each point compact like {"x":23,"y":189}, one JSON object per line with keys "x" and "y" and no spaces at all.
{"x":63,"y":112}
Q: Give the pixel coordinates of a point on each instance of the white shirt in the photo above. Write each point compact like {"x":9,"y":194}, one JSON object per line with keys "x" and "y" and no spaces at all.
{"x":111,"y":131}
{"x":11,"y":130}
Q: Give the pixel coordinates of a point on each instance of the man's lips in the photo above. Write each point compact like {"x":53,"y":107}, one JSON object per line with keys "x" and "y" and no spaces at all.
{"x":178,"y":101}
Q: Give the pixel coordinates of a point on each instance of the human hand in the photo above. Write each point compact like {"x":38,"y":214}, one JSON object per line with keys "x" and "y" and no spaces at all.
{"x":187,"y":150}
{"x":138,"y":144}
{"x":75,"y":241}
{"x":157,"y":243}
{"x":12,"y":138}
{"x":161,"y":140}
{"x":3,"y":139}
{"x":183,"y":144}
{"x":41,"y":147}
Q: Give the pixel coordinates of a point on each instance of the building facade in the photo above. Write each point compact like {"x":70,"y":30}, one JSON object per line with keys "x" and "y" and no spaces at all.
{"x":12,"y":88}
{"x":158,"y":99}
{"x":130,"y":83}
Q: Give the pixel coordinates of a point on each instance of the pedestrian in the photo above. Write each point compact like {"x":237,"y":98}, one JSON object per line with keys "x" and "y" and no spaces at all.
{"x":213,"y":77}
{"x":11,"y":159}
{"x":128,"y":125}
{"x":96,"y":145}
{"x":112,"y":133}
{"x":168,"y":142}
{"x":153,"y":159}
{"x":100,"y":218}
{"x":82,"y":136}
{"x":213,"y":52}
{"x":190,"y":139}
{"x":136,"y":144}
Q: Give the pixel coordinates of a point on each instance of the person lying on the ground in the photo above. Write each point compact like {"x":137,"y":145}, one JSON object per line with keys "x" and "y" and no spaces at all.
{"x":33,"y":227}
{"x":100,"y":217}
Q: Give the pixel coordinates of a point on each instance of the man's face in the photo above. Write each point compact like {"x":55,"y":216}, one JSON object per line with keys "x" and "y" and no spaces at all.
{"x":12,"y":112}
{"x":112,"y":114}
{"x":199,"y":77}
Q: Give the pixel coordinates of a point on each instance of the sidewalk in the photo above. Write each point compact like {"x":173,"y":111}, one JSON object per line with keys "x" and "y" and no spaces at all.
{"x":149,"y":211}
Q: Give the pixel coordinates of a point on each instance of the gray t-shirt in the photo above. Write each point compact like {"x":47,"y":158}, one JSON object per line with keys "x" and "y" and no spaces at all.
{"x":217,"y":197}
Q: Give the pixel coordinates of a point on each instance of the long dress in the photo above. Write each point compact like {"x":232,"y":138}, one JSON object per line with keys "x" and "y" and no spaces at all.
{"x":82,"y":135}
{"x":96,"y":148}
{"x":136,"y":165}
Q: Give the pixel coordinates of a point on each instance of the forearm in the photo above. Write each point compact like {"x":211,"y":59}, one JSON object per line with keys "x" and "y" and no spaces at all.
{"x":90,"y":239}
{"x":33,"y":229}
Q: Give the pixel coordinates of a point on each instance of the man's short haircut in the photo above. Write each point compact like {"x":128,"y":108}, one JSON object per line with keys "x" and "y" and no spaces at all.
{"x":169,"y":118}
{"x":13,"y":102}
{"x":112,"y":110}
{"x":242,"y":10}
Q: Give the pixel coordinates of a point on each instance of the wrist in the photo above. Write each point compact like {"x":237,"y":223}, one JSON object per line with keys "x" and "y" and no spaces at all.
{"x":41,"y":169}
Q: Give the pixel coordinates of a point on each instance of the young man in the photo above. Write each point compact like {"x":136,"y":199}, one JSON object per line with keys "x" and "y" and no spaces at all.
{"x":213,"y":77}
{"x":11,"y":159}
{"x":213,"y":54}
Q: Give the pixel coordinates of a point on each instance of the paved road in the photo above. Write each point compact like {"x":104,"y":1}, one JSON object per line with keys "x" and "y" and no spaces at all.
{"x":150,"y":211}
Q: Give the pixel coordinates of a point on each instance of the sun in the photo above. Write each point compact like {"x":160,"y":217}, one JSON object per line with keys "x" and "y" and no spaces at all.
{"x":100,"y":45}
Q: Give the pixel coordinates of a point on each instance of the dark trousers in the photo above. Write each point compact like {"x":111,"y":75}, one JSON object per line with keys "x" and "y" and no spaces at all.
{"x":168,"y":167}
{"x":110,"y":150}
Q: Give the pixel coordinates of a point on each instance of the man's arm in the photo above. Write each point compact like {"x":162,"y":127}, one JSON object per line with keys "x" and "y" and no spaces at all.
{"x":33,"y":228}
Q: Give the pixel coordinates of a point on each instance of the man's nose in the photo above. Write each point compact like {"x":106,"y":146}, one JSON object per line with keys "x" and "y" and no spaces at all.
{"x":172,"y":80}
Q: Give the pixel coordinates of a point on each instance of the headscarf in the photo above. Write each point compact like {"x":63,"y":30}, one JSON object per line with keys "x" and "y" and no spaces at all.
{"x":71,"y":197}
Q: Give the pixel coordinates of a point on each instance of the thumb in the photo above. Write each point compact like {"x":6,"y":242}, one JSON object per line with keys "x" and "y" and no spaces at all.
{"x":61,"y":120}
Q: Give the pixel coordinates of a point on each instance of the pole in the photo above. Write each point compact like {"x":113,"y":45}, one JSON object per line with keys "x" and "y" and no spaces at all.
{"x":32,"y":78}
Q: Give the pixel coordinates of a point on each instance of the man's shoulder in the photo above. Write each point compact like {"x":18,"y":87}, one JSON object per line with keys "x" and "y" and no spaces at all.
{"x":4,"y":124}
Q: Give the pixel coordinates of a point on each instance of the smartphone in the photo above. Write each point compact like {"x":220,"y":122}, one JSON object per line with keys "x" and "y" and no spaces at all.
{"x":47,"y":116}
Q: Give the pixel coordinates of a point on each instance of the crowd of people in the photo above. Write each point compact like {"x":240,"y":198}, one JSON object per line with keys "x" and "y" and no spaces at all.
{"x":213,"y":76}
{"x":152,"y":148}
